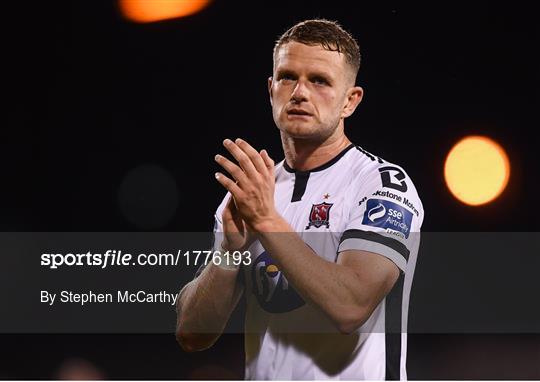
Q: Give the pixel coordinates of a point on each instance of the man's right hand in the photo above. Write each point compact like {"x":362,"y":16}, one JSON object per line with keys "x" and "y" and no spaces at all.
{"x":205,"y":304}
{"x":236,"y":237}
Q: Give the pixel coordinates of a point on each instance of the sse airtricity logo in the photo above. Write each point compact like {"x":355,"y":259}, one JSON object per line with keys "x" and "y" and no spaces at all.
{"x":389,"y":216}
{"x":376,"y":212}
{"x":273,"y":291}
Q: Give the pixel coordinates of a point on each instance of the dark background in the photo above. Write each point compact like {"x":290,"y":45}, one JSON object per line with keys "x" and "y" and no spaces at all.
{"x":112,"y":126}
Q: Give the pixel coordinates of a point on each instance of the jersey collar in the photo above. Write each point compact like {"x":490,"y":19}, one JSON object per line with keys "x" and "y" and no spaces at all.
{"x":323,"y":166}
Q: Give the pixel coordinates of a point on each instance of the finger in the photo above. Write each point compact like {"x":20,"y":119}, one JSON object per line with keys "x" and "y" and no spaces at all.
{"x":269,"y":163}
{"x":243,"y":160}
{"x":253,"y":154}
{"x":232,"y":169}
{"x":230,"y":185}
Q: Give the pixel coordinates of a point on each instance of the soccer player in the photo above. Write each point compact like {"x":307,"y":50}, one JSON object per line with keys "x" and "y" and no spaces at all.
{"x":332,"y":232}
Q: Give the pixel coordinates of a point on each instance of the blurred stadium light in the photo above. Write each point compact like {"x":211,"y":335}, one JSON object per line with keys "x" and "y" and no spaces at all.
{"x":146,"y":11}
{"x":476,"y":170}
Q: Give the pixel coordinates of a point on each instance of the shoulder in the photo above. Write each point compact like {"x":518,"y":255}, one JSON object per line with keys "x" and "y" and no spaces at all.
{"x":375,"y":178}
{"x":371,"y":169}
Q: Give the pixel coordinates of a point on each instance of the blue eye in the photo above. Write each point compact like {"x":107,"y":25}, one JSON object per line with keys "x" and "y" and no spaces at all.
{"x":319,"y":81}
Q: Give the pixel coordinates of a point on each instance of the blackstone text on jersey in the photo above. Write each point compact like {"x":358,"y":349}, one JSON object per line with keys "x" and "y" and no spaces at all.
{"x":396,"y":197}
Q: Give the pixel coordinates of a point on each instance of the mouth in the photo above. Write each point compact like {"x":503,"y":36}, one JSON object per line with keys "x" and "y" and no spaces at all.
{"x":298,"y":113}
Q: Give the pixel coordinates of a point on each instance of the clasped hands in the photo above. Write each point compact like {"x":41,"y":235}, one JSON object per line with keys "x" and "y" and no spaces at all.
{"x":251,"y":208}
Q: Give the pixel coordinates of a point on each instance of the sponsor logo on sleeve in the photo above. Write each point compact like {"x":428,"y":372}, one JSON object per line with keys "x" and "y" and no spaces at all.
{"x":389,"y":216}
{"x":392,"y":177}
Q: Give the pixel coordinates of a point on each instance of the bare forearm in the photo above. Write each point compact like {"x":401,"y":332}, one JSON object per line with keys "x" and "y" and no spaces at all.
{"x":331,"y":287}
{"x":205,"y":305}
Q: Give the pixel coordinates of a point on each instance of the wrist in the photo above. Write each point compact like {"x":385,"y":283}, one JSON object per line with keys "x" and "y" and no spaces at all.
{"x":274,"y":223}
{"x":225,"y":259}
{"x":224,"y":246}
{"x":227,"y":246}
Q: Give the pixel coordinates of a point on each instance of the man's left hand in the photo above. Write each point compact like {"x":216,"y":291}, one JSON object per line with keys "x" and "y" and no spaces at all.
{"x":253,"y":184}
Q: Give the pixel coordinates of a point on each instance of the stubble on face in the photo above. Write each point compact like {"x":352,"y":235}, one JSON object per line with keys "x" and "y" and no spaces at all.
{"x":308,"y":91}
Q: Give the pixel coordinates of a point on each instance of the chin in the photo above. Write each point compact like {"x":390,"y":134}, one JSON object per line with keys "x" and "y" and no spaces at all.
{"x":300,"y":130}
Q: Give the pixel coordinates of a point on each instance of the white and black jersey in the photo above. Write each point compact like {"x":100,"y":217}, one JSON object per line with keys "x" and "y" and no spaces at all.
{"x":356,"y":201}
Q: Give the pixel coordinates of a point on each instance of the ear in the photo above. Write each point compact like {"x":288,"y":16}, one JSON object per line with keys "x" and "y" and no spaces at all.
{"x":270,"y":81}
{"x":354,"y":97}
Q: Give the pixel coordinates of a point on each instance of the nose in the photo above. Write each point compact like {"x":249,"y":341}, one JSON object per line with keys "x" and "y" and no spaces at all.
{"x":299,"y":93}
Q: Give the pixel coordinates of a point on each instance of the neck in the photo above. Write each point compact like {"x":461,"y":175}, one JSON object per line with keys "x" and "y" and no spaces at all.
{"x":305,"y":155}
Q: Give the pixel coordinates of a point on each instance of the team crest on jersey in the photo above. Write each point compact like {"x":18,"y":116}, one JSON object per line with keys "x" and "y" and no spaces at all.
{"x":320,"y":215}
{"x":273,"y":291}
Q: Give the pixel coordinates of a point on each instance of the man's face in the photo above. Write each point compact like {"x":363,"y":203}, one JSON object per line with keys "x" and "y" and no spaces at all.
{"x":310,"y":90}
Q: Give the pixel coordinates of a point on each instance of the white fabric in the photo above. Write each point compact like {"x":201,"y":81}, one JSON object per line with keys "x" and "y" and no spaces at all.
{"x":288,"y":339}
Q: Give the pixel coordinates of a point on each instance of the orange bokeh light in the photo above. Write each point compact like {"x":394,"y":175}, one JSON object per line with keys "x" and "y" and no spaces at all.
{"x":146,"y":11}
{"x":476,"y":170}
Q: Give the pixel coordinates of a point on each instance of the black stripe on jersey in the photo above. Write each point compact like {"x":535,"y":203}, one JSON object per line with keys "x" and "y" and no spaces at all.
{"x":396,"y":245}
{"x":301,"y":177}
{"x":300,"y":184}
{"x":369,"y":155}
{"x":392,"y":336}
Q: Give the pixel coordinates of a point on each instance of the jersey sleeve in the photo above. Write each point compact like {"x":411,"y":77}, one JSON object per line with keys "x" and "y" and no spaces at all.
{"x":385,"y":215}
